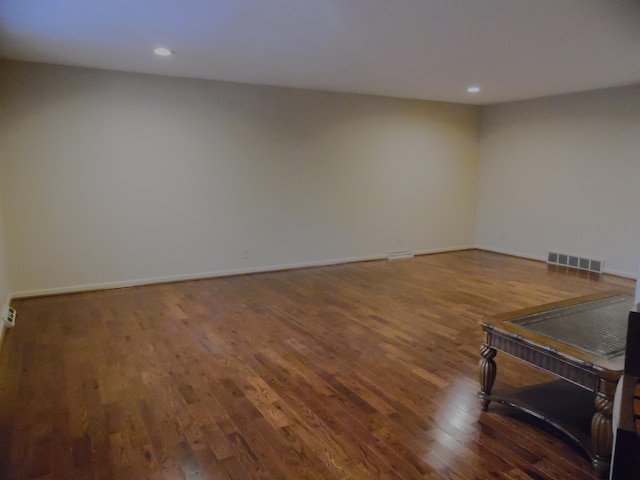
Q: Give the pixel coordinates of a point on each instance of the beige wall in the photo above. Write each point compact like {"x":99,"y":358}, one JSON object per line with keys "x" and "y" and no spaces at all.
{"x":4,"y":271}
{"x":563,"y":174}
{"x":115,"y":178}
{"x":4,"y":264}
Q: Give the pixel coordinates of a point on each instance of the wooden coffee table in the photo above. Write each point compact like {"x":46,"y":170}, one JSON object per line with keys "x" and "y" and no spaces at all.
{"x":582,"y":342}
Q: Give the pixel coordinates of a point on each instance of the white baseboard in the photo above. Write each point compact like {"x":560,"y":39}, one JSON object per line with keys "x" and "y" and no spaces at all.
{"x":511,"y":252}
{"x":217,"y":273}
{"x":443,"y":250}
{"x":189,"y":276}
{"x":617,"y":273}
{"x":272,"y":268}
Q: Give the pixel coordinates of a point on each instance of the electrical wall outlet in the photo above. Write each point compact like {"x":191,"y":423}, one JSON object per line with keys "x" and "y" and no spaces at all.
{"x":8,"y":316}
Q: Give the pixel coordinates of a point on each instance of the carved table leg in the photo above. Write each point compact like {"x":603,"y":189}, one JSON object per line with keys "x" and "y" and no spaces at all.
{"x":602,"y":434}
{"x":487,"y":374}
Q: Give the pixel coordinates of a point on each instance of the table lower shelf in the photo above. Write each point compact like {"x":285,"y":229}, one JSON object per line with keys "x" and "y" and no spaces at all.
{"x":568,"y":409}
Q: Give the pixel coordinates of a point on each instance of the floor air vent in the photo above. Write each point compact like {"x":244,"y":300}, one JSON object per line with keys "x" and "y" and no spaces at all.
{"x":574,"y":261}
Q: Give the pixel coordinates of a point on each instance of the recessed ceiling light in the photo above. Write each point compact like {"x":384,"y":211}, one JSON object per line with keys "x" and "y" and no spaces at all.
{"x":473,"y":89}
{"x":163,"y":52}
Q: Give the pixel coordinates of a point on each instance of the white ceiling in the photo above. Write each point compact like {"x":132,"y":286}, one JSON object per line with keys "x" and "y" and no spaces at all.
{"x":428,"y":49}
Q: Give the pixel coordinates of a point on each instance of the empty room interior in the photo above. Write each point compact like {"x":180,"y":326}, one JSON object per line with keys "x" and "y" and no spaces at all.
{"x":316,"y":239}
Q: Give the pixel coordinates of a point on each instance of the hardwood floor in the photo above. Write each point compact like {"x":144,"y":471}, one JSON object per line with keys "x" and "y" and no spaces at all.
{"x":359,"y":371}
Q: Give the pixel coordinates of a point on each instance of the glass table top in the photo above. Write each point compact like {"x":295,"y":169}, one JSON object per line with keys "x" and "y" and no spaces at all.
{"x":598,"y":327}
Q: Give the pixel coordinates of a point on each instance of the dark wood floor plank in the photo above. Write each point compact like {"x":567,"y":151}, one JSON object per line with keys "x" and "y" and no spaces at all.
{"x":356,"y":371}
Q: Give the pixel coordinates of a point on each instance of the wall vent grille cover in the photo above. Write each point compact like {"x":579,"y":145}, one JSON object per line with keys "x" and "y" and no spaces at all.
{"x":400,"y":254}
{"x":575,"y":261}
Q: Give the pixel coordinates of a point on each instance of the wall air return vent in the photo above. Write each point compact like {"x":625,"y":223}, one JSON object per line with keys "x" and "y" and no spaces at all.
{"x":575,"y":261}
{"x":400,"y":254}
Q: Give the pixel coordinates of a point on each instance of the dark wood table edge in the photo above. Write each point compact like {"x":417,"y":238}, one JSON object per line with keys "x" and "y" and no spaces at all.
{"x":604,"y":381}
